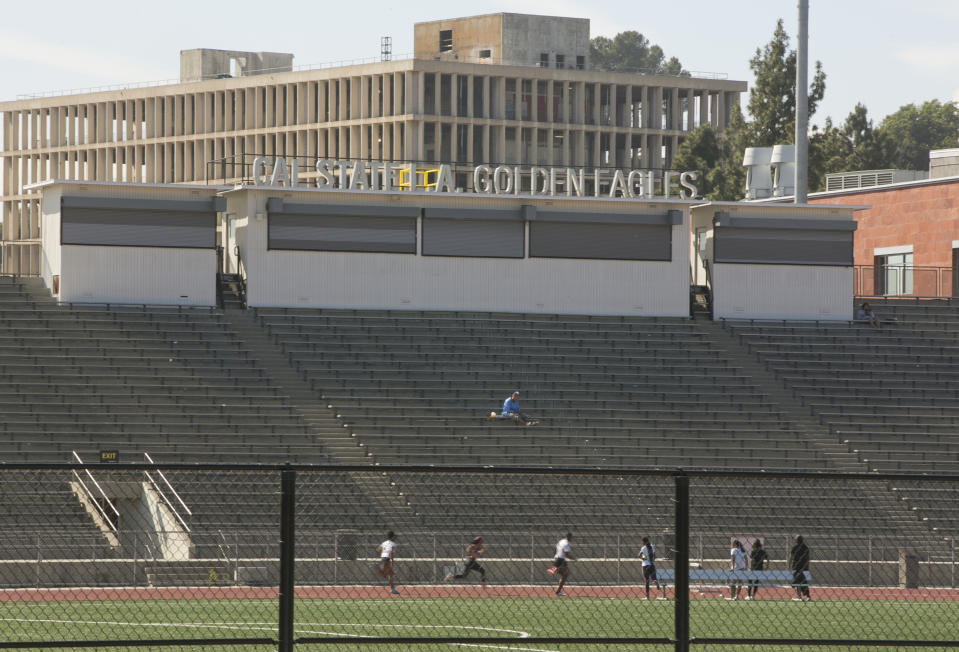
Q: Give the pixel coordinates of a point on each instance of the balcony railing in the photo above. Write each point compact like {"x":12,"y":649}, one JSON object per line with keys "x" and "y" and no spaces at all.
{"x":914,"y":281}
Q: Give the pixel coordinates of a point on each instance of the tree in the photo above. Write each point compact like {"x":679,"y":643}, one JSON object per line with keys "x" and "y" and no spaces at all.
{"x":829,"y":151}
{"x":717,"y":157}
{"x":854,"y":146}
{"x":772,"y":107}
{"x":772,"y":99}
{"x":630,"y":51}
{"x":866,"y":143}
{"x":909,"y":133}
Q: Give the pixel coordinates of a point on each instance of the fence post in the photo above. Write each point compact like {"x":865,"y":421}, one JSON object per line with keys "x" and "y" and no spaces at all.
{"x":287,"y":530}
{"x":681,"y":563}
{"x":619,"y":559}
{"x":532,"y":558}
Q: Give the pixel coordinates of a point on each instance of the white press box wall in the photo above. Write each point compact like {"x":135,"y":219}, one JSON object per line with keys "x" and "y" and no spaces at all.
{"x":98,"y":240}
{"x":503,"y":277}
{"x":780,"y":261}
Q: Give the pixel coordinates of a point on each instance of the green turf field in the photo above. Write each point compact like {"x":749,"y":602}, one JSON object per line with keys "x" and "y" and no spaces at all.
{"x":487,"y":617}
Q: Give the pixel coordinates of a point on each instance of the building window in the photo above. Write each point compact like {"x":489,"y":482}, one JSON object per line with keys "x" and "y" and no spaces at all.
{"x":485,"y":54}
{"x":544,"y":60}
{"x":446,"y":40}
{"x":560,"y":60}
{"x":893,"y":271}
{"x":580,"y":62}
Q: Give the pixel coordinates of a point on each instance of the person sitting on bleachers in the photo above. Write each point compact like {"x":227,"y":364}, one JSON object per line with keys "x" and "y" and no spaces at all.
{"x":511,"y":411}
{"x":866,"y":314}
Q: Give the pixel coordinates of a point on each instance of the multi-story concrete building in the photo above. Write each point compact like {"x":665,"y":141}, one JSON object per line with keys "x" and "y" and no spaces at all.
{"x":432,"y":108}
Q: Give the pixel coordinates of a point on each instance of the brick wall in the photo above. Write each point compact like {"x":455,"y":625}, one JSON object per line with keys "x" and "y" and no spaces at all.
{"x":924,"y":216}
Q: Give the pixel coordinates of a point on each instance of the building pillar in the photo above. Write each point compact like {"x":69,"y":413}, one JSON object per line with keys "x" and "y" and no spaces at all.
{"x":549,"y":101}
{"x":486,"y":99}
{"x":470,"y":95}
{"x":564,"y":104}
{"x":597,"y":117}
{"x":454,"y":94}
{"x":341,"y":109}
{"x":500,"y":100}
{"x":363,"y":83}
{"x":613,"y":112}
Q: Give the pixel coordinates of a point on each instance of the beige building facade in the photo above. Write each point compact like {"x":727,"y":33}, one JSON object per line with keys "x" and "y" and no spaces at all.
{"x":418,"y":110}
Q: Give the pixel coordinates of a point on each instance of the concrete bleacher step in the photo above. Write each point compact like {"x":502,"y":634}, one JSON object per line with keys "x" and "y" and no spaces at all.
{"x":312,"y":410}
{"x":835,"y":456}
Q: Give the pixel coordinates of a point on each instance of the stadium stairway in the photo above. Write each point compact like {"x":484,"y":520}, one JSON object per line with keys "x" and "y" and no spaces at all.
{"x":177,"y":383}
{"x":322,"y":420}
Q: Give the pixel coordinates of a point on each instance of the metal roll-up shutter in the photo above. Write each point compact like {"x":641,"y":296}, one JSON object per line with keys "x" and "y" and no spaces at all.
{"x":477,"y":238}
{"x":138,"y":228}
{"x":342,"y":233}
{"x":783,"y":246}
{"x":601,"y":241}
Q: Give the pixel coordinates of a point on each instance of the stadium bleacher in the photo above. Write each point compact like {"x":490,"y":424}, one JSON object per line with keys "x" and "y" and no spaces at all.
{"x":391,"y":387}
{"x":890,"y":395}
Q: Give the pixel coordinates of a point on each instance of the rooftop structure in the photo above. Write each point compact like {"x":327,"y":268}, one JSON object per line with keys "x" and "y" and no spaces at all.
{"x":200,"y":64}
{"x":508,"y":39}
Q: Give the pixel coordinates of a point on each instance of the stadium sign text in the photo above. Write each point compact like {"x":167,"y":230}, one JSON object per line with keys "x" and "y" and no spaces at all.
{"x":487,"y":179}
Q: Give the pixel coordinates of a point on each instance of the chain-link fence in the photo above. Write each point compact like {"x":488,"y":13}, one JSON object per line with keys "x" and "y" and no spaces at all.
{"x":245,"y":557}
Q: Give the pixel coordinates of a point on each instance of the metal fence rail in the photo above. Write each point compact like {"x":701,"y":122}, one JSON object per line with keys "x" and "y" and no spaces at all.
{"x":906,"y":281}
{"x":286,"y":557}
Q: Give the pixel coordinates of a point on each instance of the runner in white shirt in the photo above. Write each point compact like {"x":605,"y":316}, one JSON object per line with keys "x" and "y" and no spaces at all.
{"x":560,"y":567}
{"x":385,"y":566}
{"x":648,"y":554}
{"x":737,"y":562}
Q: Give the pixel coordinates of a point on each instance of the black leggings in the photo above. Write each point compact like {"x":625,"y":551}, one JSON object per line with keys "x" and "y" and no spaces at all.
{"x":472,"y":565}
{"x":799,"y":581}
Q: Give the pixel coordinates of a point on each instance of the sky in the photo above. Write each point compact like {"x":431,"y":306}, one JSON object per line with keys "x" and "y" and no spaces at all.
{"x":882,"y":53}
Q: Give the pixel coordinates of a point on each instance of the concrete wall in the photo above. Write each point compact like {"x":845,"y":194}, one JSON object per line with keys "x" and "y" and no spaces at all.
{"x":781,"y":292}
{"x":526,"y":37}
{"x":471,"y":36}
{"x":608,"y":572}
{"x":943,"y":163}
{"x":512,"y":39}
{"x":203,"y":63}
{"x":50,"y":237}
{"x":414,"y":282}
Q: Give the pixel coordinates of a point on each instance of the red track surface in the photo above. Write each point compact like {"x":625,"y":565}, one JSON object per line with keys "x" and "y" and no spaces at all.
{"x":448,"y":591}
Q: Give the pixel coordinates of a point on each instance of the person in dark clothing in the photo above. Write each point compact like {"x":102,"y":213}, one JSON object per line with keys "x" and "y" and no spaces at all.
{"x":474,"y":551}
{"x":799,"y":564}
{"x":757,"y":562}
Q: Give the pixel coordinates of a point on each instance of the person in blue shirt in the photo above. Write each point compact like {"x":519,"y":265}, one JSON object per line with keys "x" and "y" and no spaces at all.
{"x":866,"y":314}
{"x":511,"y":411}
